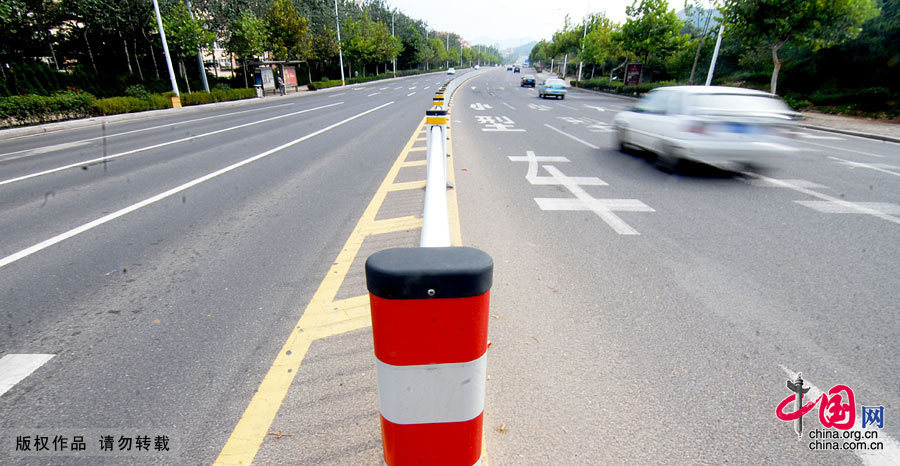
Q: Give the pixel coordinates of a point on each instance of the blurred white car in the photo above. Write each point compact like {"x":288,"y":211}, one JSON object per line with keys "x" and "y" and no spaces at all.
{"x":720,"y":126}
{"x":451,"y":70}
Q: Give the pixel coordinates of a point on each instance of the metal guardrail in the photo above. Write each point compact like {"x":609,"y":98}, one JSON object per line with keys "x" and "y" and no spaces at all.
{"x":435,"y":217}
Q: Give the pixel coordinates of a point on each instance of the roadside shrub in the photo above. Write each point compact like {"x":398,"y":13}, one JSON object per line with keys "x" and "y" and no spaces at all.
{"x":316,"y":85}
{"x":196,"y":98}
{"x":137,"y":90}
{"x":223,"y":95}
{"x":617,"y":87}
{"x":116,"y":105}
{"x":221,"y":86}
{"x":31,"y":109}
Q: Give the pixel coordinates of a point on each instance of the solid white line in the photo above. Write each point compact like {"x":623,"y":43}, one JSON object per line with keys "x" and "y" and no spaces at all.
{"x":15,"y":367}
{"x":841,"y":148}
{"x":411,"y":94}
{"x":156,"y":146}
{"x":849,"y":205}
{"x":100,"y":221}
{"x":891,"y":453}
{"x":865,"y":165}
{"x":573,"y":137}
{"x":508,"y":105}
{"x":426,"y":88}
{"x":374,"y":93}
{"x":566,"y":106}
{"x":66,"y":145}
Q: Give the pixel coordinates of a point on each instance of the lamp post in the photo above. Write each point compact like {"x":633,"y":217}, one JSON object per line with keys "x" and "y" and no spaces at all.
{"x":162,"y":35}
{"x":187,"y":3}
{"x":337,"y":20}
{"x":581,"y":57}
{"x":392,"y":35}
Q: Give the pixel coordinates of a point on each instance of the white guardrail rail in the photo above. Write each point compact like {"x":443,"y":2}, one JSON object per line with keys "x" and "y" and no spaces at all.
{"x":435,"y":217}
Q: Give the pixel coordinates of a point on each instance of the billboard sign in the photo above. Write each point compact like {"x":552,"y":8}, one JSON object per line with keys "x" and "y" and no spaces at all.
{"x":633,"y":74}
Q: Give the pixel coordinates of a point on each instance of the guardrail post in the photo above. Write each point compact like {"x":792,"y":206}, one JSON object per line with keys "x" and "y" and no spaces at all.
{"x":429,"y":323}
{"x":435,"y":222}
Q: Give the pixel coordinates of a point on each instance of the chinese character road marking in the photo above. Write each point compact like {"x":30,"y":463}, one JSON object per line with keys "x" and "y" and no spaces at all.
{"x":602,"y":207}
{"x":479,"y":106}
{"x":831,"y":204}
{"x":532,"y":174}
{"x":539,"y":107}
{"x":15,"y":367}
{"x":499,"y":123}
{"x":508,"y":106}
{"x":879,"y":167}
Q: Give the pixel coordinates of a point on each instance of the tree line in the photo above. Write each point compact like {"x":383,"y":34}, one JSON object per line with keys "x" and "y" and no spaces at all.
{"x":118,"y":42}
{"x":809,"y":46}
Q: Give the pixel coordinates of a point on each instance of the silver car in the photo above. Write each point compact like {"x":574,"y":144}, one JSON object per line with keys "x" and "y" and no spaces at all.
{"x":720,"y":126}
{"x":552,"y":87}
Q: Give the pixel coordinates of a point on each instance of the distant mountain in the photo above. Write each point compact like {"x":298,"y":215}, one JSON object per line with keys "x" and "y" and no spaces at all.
{"x":699,"y":20}
{"x":523,"y":50}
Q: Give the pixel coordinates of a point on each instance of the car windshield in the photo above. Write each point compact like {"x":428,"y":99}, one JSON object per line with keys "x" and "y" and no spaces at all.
{"x":704,"y":103}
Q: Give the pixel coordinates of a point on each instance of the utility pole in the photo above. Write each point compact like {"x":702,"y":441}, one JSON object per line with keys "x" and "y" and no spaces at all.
{"x":447,"y":41}
{"x":581,"y":56}
{"x":392,"y":35}
{"x":187,"y":3}
{"x":337,"y":20}
{"x":712,"y":64}
{"x":162,"y":35}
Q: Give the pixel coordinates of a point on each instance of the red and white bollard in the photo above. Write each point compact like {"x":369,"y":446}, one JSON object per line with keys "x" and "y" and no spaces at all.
{"x":429,"y":322}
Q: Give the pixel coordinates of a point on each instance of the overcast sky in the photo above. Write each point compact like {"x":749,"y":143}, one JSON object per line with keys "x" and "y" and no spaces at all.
{"x":506,"y":22}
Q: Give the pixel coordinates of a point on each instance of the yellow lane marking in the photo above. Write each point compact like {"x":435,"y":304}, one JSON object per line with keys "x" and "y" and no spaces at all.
{"x":317,"y":321}
{"x":406,"y":186}
{"x":415,"y":163}
{"x":418,"y":149}
{"x":394,"y":225}
{"x":452,"y":202}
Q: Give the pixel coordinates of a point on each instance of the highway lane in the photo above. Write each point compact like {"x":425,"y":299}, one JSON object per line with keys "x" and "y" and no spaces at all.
{"x":661,"y":327}
{"x":166,"y":318}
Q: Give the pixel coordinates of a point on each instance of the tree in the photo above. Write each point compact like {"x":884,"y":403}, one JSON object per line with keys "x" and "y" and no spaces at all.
{"x":247,"y":38}
{"x":185,"y":35}
{"x":651,"y":29}
{"x":288,"y":31}
{"x":440,"y":50}
{"x":773,"y":24}
{"x":601,"y":42}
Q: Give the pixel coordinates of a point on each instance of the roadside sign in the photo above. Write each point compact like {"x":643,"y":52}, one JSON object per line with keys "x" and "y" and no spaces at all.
{"x":290,"y":76}
{"x":633,"y":74}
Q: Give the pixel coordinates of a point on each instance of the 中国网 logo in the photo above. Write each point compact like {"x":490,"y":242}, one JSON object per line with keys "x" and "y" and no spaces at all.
{"x":837,"y":415}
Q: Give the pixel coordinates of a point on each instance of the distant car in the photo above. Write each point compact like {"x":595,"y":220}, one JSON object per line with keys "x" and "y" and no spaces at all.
{"x":516,"y":70}
{"x":451,"y":70}
{"x":477,"y":67}
{"x":716,"y":125}
{"x":527,"y":81}
{"x":552,"y":87}
{"x":508,"y":67}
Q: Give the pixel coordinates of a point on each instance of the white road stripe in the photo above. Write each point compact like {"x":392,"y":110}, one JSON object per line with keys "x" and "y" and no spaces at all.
{"x":426,"y":88}
{"x":833,"y":147}
{"x":851,"y":206}
{"x":107,"y":218}
{"x":336,"y":95}
{"x":573,"y":137}
{"x":566,"y":106}
{"x":15,"y":367}
{"x":870,"y":166}
{"x":891,"y":453}
{"x":374,"y":93}
{"x":156,"y":146}
{"x":508,"y":105}
{"x":411,"y":94}
{"x":67,"y":145}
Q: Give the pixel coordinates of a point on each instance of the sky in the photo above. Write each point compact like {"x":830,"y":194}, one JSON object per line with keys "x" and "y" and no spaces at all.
{"x":509,"y":23}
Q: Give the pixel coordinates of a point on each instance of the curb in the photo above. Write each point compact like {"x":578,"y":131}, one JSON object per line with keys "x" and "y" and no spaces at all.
{"x":11,"y":133}
{"x":859,"y":134}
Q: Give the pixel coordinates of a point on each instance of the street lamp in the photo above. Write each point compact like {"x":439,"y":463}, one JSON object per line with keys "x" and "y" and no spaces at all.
{"x":392,"y":35}
{"x":340,"y":54}
{"x":162,"y":35}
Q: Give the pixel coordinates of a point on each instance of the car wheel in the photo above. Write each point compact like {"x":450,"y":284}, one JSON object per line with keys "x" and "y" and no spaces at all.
{"x":621,"y":139}
{"x":667,"y":161}
{"x":562,"y":97}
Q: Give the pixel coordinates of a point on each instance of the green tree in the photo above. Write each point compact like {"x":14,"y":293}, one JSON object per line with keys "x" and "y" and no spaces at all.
{"x":247,"y":39}
{"x":440,"y":51}
{"x":288,"y":32}
{"x":650,"y":30}
{"x":185,"y":35}
{"x":773,"y":24}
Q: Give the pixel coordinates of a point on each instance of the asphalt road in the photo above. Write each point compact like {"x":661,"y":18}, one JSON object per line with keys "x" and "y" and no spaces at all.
{"x":660,"y":327}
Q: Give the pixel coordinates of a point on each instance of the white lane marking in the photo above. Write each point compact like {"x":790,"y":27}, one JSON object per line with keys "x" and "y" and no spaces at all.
{"x":890,"y":455}
{"x":829,"y":207}
{"x":336,"y":95}
{"x":845,"y":150}
{"x":801,"y":134}
{"x":599,"y":109}
{"x":852,"y":206}
{"x":411,"y":94}
{"x":411,"y":88}
{"x":532,"y":173}
{"x":880,"y":167}
{"x":107,"y":218}
{"x":67,"y":145}
{"x":426,"y":88}
{"x":539,"y":107}
{"x":508,"y":106}
{"x":603,"y":208}
{"x":573,"y":137}
{"x":15,"y":367}
{"x":801,"y":183}
{"x":473,"y":88}
{"x":383,"y":88}
{"x":374,"y":93}
{"x":156,"y":146}
{"x":566,"y":106}
{"x":479,"y":106}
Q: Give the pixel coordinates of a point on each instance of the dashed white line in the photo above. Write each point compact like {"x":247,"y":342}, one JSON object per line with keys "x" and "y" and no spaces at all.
{"x":411,"y":94}
{"x":566,"y":106}
{"x":337,"y":95}
{"x":15,"y":367}
{"x":833,"y":147}
{"x":374,"y":93}
{"x":879,"y":168}
{"x":573,"y":137}
{"x":68,"y":145}
{"x":107,"y":218}
{"x":156,"y":146}
{"x":508,"y":105}
{"x":426,"y":88}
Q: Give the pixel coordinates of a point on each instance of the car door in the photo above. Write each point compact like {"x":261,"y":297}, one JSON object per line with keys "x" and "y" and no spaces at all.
{"x":648,"y":113}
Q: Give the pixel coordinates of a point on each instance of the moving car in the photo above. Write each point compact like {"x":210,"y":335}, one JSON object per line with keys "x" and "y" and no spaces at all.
{"x":508,"y":67}
{"x":716,"y":125}
{"x":552,"y":87}
{"x":451,"y":70}
{"x":516,"y":70}
{"x":477,"y":67}
{"x":527,"y":81}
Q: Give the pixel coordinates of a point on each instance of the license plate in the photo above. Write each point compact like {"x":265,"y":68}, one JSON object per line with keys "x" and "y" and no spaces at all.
{"x":739,"y":128}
